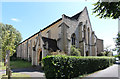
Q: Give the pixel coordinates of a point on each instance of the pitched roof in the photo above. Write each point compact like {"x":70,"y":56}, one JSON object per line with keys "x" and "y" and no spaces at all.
{"x":41,"y":30}
{"x":76,"y":16}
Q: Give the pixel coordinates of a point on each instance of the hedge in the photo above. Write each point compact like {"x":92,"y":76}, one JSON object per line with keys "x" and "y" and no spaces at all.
{"x":73,"y":66}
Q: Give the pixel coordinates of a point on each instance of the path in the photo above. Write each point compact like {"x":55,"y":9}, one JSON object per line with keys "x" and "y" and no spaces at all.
{"x":30,"y":71}
{"x":112,"y":72}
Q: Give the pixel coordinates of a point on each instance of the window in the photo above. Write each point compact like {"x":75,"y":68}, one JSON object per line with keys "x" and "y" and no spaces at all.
{"x":73,"y":37}
{"x":88,"y":36}
{"x":84,"y":33}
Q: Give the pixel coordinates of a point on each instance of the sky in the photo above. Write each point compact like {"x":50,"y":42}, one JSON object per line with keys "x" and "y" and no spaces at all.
{"x":29,"y":17}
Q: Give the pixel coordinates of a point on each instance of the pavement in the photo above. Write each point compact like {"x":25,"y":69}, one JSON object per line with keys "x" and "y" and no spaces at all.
{"x":34,"y":73}
{"x":112,"y":72}
{"x":2,"y":72}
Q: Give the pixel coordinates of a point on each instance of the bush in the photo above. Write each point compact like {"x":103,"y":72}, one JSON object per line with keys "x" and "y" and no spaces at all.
{"x":101,"y":54}
{"x":73,"y":66}
{"x":57,"y":53}
{"x":117,"y":56}
{"x":74,"y":51}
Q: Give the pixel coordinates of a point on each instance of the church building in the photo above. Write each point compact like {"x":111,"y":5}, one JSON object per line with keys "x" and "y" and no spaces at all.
{"x":60,"y":35}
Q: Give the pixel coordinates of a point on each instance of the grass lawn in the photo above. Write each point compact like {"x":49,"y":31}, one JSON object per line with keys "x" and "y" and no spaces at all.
{"x":19,"y":64}
{"x":16,"y":64}
{"x":17,"y":76}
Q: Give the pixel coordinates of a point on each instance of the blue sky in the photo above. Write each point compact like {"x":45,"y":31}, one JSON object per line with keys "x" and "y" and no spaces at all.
{"x":30,"y":17}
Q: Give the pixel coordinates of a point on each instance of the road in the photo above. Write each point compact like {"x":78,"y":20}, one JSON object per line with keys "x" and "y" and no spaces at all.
{"x":112,"y":72}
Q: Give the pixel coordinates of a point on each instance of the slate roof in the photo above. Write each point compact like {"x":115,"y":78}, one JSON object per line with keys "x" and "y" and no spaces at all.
{"x":52,"y":44}
{"x":76,"y":16}
{"x":41,"y":30}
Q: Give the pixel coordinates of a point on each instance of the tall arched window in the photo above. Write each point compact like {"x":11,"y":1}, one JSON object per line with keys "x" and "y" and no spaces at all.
{"x":84,"y":33}
{"x":73,"y":37}
{"x":88,"y":36}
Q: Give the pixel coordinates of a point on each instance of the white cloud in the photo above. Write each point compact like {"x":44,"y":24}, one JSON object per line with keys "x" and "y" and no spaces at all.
{"x":15,"y":19}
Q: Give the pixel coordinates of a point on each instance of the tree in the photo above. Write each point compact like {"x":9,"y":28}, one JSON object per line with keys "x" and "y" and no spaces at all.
{"x":10,"y":39}
{"x":0,"y":44}
{"x":118,"y":42}
{"x":107,"y":9}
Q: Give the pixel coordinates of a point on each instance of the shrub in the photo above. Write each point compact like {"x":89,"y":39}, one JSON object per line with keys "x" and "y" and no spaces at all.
{"x":101,"y":54}
{"x":73,"y":66}
{"x":74,"y":51}
{"x":117,"y":56}
{"x":57,"y":53}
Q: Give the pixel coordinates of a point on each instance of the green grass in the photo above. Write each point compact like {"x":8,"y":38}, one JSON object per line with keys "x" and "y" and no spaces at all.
{"x":19,"y":64}
{"x":16,"y":64}
{"x":17,"y":76}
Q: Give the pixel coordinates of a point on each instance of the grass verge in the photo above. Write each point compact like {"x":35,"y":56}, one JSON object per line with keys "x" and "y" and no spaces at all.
{"x":16,"y":64}
{"x":17,"y":76}
{"x":19,"y":64}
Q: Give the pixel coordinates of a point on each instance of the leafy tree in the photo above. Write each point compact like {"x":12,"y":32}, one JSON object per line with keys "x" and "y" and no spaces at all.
{"x":0,"y":44}
{"x":107,"y":9}
{"x":10,"y":37}
{"x":8,"y":42}
{"x":118,"y":42}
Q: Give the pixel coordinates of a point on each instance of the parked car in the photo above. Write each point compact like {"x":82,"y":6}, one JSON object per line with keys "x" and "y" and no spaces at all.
{"x":117,"y":59}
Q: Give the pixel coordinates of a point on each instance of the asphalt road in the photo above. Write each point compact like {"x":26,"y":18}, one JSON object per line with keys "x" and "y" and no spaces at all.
{"x":112,"y":72}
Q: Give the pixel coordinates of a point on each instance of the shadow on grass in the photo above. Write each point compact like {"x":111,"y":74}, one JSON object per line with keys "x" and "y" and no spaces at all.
{"x":30,"y":69}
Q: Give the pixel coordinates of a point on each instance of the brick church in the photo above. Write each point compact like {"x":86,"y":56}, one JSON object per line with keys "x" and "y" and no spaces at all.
{"x":60,"y":35}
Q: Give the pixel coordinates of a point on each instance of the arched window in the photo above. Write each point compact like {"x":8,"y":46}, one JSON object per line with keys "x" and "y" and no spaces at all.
{"x":84,"y":33}
{"x":88,"y":36}
{"x":73,"y":37}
